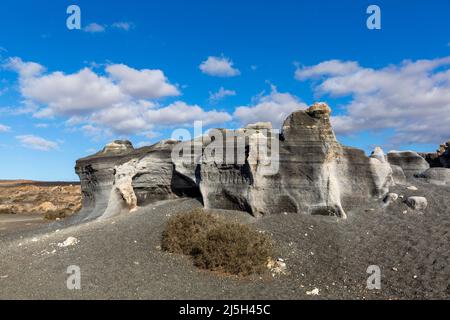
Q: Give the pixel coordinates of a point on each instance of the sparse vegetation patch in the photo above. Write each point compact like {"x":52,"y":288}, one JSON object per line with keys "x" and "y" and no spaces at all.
{"x":216,"y":244}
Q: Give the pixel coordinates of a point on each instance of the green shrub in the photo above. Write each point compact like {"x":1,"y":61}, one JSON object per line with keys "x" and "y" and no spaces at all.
{"x":217,"y":245}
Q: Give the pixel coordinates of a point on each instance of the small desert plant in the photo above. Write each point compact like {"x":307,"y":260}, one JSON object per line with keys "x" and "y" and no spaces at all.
{"x":184,"y":230}
{"x":216,"y":244}
{"x":53,"y":215}
{"x":233,"y":248}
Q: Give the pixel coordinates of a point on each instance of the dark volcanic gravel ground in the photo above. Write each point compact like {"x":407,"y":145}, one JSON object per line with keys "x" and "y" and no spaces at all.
{"x":120,"y":258}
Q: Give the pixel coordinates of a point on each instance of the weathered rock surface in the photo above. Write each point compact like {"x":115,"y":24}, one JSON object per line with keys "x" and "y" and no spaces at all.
{"x":398,"y":175}
{"x":390,"y":197}
{"x":378,"y":153}
{"x":316,"y":175}
{"x":119,"y":180}
{"x":417,"y":203}
{"x":148,"y":178}
{"x":410,"y":162}
{"x":303,"y":169}
{"x":437,"y":176}
{"x":97,"y":173}
{"x":440,"y":158}
{"x":118,"y":147}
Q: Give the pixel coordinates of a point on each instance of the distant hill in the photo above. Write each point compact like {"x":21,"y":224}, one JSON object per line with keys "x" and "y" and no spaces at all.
{"x":23,"y":182}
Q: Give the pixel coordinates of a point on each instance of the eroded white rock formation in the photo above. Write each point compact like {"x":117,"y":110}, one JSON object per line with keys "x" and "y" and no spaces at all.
{"x":302,"y":169}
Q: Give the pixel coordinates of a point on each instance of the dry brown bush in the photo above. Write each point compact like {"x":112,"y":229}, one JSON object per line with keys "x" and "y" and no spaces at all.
{"x":216,"y":244}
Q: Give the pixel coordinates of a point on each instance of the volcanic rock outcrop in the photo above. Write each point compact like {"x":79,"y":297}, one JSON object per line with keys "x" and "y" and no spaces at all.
{"x":301,"y":169}
{"x":120,"y":178}
{"x":97,"y":173}
{"x":307,"y":170}
{"x":440,"y":158}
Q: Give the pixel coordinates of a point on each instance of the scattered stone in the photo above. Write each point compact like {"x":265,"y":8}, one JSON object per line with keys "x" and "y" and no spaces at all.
{"x":314,"y":292}
{"x":391,"y":197}
{"x":277,"y":266}
{"x":70,"y":241}
{"x":412,"y":188}
{"x":417,"y":203}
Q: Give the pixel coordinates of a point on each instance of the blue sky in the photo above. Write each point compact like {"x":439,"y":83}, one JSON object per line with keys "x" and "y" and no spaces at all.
{"x":138,"y":70}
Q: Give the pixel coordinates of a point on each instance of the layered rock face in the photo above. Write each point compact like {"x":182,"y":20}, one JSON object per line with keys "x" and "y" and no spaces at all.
{"x":410,"y":162}
{"x":235,"y":169}
{"x":96,"y":174}
{"x":301,"y":169}
{"x":311,"y":174}
{"x":119,"y":179}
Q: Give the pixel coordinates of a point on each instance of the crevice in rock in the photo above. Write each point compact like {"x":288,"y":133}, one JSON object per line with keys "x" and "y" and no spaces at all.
{"x":183,"y":186}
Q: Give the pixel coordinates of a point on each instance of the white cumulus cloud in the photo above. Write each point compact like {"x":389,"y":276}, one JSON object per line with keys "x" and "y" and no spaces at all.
{"x":411,"y":98}
{"x":122,"y":100}
{"x":143,"y":83}
{"x":85,"y":91}
{"x":67,"y":94}
{"x":219,"y":67}
{"x":37,"y":143}
{"x":274,"y":108}
{"x":180,"y":113}
{"x":25,"y":69}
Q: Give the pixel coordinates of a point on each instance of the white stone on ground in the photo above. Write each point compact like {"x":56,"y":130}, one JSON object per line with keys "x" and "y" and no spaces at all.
{"x":417,"y":203}
{"x":70,"y":241}
{"x":314,"y":292}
